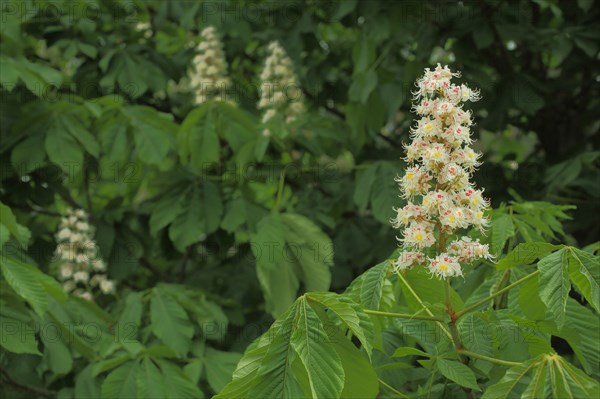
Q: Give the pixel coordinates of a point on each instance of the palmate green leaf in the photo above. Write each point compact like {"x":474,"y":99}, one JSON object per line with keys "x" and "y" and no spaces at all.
{"x":59,"y":317}
{"x":562,"y":174}
{"x":363,"y":53}
{"x":385,"y":293}
{"x":29,"y":154}
{"x":149,"y":378}
{"x":274,"y":376}
{"x":235,"y":215}
{"x":555,"y":284}
{"x":112,"y":133}
{"x":502,"y":230}
{"x":80,"y":132}
{"x":212,"y":206}
{"x":484,"y":289}
{"x":350,"y":313}
{"x":474,"y":332}
{"x":202,"y":211}
{"x":207,"y":315}
{"x":109,"y":364}
{"x":584,"y":271}
{"x":551,"y":376}
{"x":8,"y":219}
{"x":505,"y":388}
{"x":362,"y":86}
{"x":569,"y":382}
{"x":219,"y":367}
{"x":277,"y":278}
{"x":121,"y":382}
{"x":153,"y":133}
{"x":312,"y":250}
{"x":528,"y":233}
{"x":237,"y":127}
{"x":376,"y":185}
{"x":529,"y":299}
{"x":150,"y":381}
{"x":26,"y":280}
{"x":536,"y":221}
{"x":17,"y":337}
{"x":289,"y":248}
{"x":129,"y":320}
{"x":322,"y":363}
{"x":384,"y":193}
{"x":372,"y":285}
{"x":177,"y":384}
{"x":130,"y":77}
{"x":408,"y":351}
{"x":170,"y":322}
{"x":539,"y":220}
{"x":516,"y":338}
{"x":197,"y":137}
{"x":86,"y":386}
{"x":430,"y":290}
{"x":360,"y":379}
{"x":457,"y":372}
{"x":582,"y":333}
{"x":166,"y":210}
{"x":244,"y":376}
{"x":538,"y":387}
{"x":53,"y":288}
{"x":299,"y":358}
{"x":526,"y":254}
{"x":35,"y":76}
{"x":57,"y":354}
{"x":364,"y":182}
{"x":62,"y":148}
{"x":193,"y":370}
{"x":204,"y":140}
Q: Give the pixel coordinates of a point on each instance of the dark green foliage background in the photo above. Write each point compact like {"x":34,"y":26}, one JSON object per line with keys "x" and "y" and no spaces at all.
{"x":177,"y":194}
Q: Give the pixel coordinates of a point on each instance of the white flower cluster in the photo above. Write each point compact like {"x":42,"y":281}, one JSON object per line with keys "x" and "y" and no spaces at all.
{"x":280,"y":91}
{"x":145,"y":28}
{"x":80,"y":267}
{"x":208,"y":75}
{"x":441,"y":199}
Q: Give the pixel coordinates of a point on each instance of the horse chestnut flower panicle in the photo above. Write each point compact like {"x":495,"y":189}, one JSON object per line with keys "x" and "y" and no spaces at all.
{"x":208,"y":75}
{"x":441,"y":198}
{"x":280,"y":91}
{"x":80,"y":267}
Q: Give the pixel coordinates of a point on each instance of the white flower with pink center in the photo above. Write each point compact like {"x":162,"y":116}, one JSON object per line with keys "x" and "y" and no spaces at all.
{"x":440,"y":163}
{"x":419,"y":235}
{"x":444,"y":266}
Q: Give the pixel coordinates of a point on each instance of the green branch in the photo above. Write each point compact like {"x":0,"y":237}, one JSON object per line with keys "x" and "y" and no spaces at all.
{"x":402,"y":315}
{"x":456,"y":342}
{"x":489,"y":359}
{"x":280,"y":189}
{"x":391,"y":388}
{"x":12,"y":384}
{"x":499,"y":292}
{"x":442,"y":326}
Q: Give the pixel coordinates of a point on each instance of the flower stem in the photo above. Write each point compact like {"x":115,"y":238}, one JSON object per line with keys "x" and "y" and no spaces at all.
{"x":280,"y":189}
{"x":495,"y":294}
{"x":442,"y":326}
{"x":402,"y":315}
{"x":456,"y":342}
{"x":499,"y":301}
{"x":391,"y":388}
{"x":489,"y":359}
